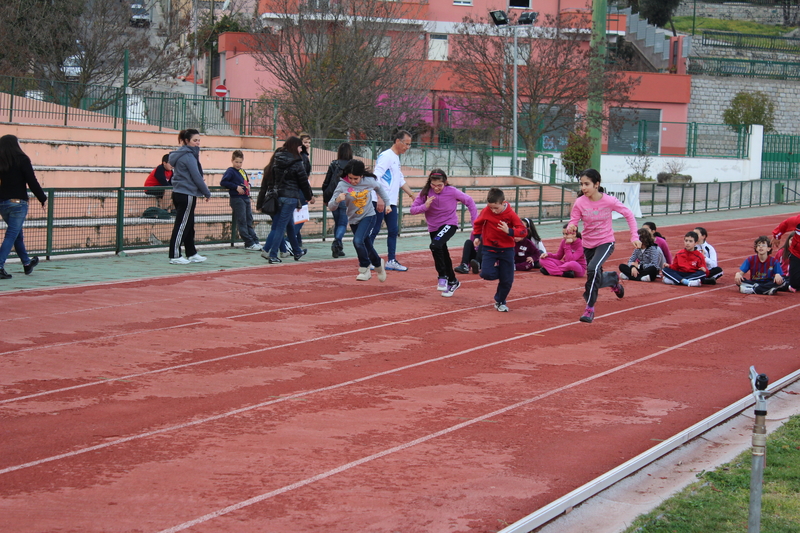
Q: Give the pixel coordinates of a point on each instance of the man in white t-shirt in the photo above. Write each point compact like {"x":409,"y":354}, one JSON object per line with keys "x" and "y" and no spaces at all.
{"x":387,"y":168}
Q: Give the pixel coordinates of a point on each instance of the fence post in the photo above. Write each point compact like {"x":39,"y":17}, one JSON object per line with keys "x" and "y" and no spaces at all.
{"x":683,"y":192}
{"x":779,"y":193}
{"x":233,"y":229}
{"x":324,"y":221}
{"x":275,"y":124}
{"x":120,"y":245}
{"x":161,"y":111}
{"x":463,"y":209}
{"x":541,"y":199}
{"x":516,"y":198}
{"x":242,"y":116}
{"x":653,"y":200}
{"x":51,"y":194}
{"x":11,"y":107}
{"x":399,"y":213}
{"x":553,"y":168}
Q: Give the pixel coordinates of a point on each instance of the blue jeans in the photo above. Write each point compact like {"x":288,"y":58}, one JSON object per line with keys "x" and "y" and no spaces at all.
{"x":279,"y":223}
{"x":14,"y":216}
{"x":392,"y":228}
{"x":504,"y":271}
{"x":243,"y":215}
{"x":340,"y":222}
{"x":362,"y":242}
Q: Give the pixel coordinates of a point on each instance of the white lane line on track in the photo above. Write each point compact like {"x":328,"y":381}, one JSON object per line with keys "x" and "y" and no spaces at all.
{"x":259,"y":350}
{"x":401,"y":447}
{"x":336,"y":386}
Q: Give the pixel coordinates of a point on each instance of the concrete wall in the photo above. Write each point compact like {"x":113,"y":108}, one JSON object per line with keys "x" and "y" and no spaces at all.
{"x":733,"y":11}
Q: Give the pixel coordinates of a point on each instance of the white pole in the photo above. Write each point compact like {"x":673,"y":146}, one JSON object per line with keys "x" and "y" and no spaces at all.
{"x":514,"y":168}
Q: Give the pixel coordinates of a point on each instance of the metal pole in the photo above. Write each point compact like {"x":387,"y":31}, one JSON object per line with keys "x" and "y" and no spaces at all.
{"x":595,"y":104}
{"x":694,"y":15}
{"x":124,"y":118}
{"x":759,"y":383}
{"x":514,"y":169}
{"x":194,"y":23}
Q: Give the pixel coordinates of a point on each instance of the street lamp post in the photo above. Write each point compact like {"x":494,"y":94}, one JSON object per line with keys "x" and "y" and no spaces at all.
{"x":501,"y":19}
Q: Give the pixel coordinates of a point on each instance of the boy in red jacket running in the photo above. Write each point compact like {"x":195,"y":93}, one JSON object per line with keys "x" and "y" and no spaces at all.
{"x":788,"y":225}
{"x":496,"y":227}
{"x":688,"y":266}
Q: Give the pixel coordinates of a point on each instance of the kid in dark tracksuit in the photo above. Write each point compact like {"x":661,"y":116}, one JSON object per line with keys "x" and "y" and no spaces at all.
{"x":495,"y":228}
{"x":238,"y":184}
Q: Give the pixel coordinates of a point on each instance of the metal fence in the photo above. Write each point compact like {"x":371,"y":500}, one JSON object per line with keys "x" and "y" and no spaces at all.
{"x":780,"y":157}
{"x":747,"y":68}
{"x":114,"y":220}
{"x":748,"y":41}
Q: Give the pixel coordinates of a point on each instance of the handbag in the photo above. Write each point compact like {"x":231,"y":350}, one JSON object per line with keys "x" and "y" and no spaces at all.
{"x":269,"y":204}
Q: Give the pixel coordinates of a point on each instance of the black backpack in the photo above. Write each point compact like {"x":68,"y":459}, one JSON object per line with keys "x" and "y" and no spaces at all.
{"x":336,"y":177}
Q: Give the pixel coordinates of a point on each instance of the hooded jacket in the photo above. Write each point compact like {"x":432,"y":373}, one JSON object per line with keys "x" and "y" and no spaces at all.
{"x":187,"y":174}
{"x":290,"y":177}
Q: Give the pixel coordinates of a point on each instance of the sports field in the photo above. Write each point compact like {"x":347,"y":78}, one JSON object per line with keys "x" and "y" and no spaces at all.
{"x":293,"y":398}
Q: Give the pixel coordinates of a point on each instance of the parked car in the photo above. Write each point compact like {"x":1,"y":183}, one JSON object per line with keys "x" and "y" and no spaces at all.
{"x":140,"y":16}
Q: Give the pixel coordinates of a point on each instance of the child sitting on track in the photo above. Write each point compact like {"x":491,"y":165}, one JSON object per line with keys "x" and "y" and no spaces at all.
{"x":355,"y":191}
{"x":438,"y":202}
{"x":714,"y":271}
{"x":470,"y":257}
{"x":646,"y":262}
{"x":495,"y":229}
{"x":765,"y":271}
{"x":688,"y":266}
{"x":527,"y":250}
{"x":660,"y":241}
{"x":569,"y":260}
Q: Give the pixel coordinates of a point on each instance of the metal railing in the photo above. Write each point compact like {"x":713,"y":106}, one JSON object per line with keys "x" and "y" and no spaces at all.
{"x":780,"y":157}
{"x":749,"y":41}
{"x":747,"y":68}
{"x":689,"y":139}
{"x":114,"y":220}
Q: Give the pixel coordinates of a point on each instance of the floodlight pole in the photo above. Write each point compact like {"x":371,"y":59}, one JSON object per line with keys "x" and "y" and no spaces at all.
{"x":514,"y":169}
{"x":594,"y":106}
{"x":759,"y":383}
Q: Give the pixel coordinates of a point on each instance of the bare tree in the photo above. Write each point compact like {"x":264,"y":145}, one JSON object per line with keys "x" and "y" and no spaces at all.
{"x":352,"y":66}
{"x":554,"y":74}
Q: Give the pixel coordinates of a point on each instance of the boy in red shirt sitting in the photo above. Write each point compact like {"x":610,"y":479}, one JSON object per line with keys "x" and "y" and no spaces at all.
{"x":766,"y":274}
{"x":688,"y":266}
{"x":496,"y":227}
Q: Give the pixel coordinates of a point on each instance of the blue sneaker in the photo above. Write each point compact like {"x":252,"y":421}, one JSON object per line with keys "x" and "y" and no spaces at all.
{"x":394,"y":265}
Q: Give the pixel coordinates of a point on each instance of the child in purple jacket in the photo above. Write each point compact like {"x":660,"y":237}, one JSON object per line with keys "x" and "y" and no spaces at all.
{"x":438,"y":201}
{"x":527,"y":250}
{"x":569,"y":260}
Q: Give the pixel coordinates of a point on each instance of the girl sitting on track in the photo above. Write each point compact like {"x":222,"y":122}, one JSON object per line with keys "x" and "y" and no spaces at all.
{"x":528,"y":249}
{"x":645,"y":262}
{"x":438,"y":202}
{"x":594,"y":208}
{"x":569,"y":260}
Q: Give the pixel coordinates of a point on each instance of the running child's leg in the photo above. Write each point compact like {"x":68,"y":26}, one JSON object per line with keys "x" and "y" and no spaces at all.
{"x":505,"y":264}
{"x":794,"y":272}
{"x":595,"y":277}
{"x":440,"y":253}
{"x":488,"y":269}
{"x":361,"y":232}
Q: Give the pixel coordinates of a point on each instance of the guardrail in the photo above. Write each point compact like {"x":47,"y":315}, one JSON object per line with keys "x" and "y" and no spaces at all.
{"x":115,"y":220}
{"x":747,"y":68}
{"x":749,"y":41}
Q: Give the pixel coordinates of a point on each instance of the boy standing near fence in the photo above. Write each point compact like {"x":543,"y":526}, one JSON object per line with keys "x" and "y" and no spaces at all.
{"x":237,"y":182}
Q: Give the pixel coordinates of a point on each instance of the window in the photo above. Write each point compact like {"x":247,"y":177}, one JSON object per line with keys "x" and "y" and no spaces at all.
{"x":462,"y":2}
{"x":634,"y":130}
{"x":315,"y":42}
{"x":437,"y":48}
{"x":523,"y":4}
{"x":523,"y":53}
{"x":384,"y":47}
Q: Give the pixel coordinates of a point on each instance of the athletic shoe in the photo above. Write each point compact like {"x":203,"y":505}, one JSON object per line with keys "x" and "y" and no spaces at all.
{"x":394,"y":265}
{"x":273,"y":260}
{"x":619,"y":290}
{"x":645,"y":278}
{"x":335,"y":250}
{"x":451,"y":288}
{"x":284,"y":255}
{"x":623,"y":276}
{"x":475,"y":266}
{"x":179,"y":261}
{"x":544,"y":271}
{"x":691,"y":283}
{"x":364,"y":274}
{"x":792,"y":289}
{"x":568,"y":274}
{"x":708,"y":281}
{"x":197,"y":258}
{"x":442,"y":286}
{"x":668,"y":281}
{"x":30,"y":266}
{"x":772,"y":291}
{"x":463,"y":268}
{"x":298,"y":256}
{"x":588,"y":315}
{"x":503,"y":308}
{"x":381,"y":272}
{"x":4,"y":274}
{"x":746,"y":289}
{"x":254,"y":247}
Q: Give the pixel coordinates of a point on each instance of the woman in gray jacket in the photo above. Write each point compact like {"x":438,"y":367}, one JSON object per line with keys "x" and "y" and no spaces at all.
{"x":187,"y":186}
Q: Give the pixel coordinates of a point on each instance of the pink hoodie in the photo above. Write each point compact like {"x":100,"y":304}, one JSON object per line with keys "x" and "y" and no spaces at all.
{"x":596,"y":216}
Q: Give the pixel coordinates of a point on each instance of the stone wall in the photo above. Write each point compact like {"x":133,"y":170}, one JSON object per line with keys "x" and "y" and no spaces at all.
{"x":711,"y":96}
{"x":734,"y":11}
{"x":701,"y":50}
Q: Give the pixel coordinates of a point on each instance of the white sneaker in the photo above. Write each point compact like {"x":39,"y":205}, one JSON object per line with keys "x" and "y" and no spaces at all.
{"x":394,"y":265}
{"x":623,"y":276}
{"x":381,"y":271}
{"x":746,"y":289}
{"x":197,"y":258}
{"x":364,"y":274}
{"x":644,"y":278}
{"x":503,"y":308}
{"x":286,"y":254}
{"x":668,"y":281}
{"x":179,"y":261}
{"x":253,"y":247}
{"x":693,"y":283}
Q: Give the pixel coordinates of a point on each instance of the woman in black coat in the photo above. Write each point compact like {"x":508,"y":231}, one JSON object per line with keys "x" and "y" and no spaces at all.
{"x":332,"y":179}
{"x":16,"y":175}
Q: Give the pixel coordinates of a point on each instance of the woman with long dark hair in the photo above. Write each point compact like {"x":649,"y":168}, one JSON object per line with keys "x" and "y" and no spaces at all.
{"x":187,"y":185}
{"x":286,"y":173}
{"x":16,"y":176}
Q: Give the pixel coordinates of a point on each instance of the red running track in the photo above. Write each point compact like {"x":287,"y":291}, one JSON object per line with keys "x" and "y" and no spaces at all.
{"x":247,"y":401}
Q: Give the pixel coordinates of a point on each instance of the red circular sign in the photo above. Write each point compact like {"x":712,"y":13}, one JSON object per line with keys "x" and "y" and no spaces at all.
{"x":221,"y":91}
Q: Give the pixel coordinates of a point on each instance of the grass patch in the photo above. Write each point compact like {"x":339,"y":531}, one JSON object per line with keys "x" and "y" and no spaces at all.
{"x":684,"y":24}
{"x":719,"y":501}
